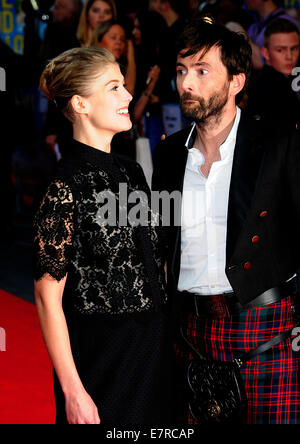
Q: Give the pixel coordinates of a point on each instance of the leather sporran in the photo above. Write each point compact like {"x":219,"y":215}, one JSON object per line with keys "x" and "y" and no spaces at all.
{"x":215,"y":390}
{"x":216,"y":393}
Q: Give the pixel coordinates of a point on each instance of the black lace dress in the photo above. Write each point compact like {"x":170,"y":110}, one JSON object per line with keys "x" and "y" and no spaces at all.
{"x":114,"y":300}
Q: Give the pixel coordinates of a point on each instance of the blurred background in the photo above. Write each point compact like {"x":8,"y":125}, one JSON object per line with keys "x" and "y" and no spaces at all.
{"x":34,"y":136}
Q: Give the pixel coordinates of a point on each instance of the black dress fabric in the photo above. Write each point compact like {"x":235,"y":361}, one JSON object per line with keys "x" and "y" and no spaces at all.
{"x":114,"y":300}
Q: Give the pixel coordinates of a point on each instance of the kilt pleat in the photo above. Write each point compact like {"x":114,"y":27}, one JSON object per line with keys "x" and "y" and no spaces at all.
{"x":272,"y":379}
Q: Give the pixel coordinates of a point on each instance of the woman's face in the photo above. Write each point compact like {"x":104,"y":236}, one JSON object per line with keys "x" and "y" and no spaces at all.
{"x":115,"y":41}
{"x":109,"y":102}
{"x":99,"y":12}
{"x":136,"y":32}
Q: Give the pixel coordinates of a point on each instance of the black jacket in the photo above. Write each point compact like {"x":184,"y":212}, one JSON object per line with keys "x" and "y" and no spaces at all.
{"x":264,"y":201}
{"x":272,"y":98}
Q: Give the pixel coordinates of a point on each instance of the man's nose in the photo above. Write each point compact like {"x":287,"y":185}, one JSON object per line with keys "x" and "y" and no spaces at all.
{"x":188,"y":82}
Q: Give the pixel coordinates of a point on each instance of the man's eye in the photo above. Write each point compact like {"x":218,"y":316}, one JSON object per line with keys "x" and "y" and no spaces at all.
{"x":181,"y":72}
{"x":203,"y":72}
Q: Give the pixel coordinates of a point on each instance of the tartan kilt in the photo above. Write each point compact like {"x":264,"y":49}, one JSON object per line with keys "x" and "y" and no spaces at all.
{"x":272,"y":379}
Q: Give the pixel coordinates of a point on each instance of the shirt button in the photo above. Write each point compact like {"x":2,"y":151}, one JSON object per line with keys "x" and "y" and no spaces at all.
{"x":263,"y":214}
{"x":255,"y":239}
{"x":247,"y":265}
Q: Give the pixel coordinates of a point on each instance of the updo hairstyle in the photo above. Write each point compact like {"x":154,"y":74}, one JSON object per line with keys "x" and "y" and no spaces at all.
{"x":73,"y":73}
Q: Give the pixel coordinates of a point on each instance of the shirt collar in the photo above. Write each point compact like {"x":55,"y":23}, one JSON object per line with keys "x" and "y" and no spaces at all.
{"x":231,"y":136}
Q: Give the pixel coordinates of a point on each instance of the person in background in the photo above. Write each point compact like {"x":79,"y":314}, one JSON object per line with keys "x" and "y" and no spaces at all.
{"x":61,"y":32}
{"x":99,"y":282}
{"x":267,"y":11}
{"x":172,"y":13}
{"x":271,"y":96}
{"x":94,"y":12}
{"x":112,"y":36}
{"x":146,"y":108}
{"x":193,"y":7}
{"x":60,"y":36}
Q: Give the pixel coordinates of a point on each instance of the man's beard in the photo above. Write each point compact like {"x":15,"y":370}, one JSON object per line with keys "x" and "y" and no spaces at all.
{"x":202,"y":110}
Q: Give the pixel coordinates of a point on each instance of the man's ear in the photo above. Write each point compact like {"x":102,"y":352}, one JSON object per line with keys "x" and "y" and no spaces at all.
{"x":265,"y":53}
{"x":79,"y":104}
{"x":237,"y":83}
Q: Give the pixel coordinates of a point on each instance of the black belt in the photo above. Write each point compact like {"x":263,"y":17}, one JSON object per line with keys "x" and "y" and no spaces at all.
{"x":226,"y":304}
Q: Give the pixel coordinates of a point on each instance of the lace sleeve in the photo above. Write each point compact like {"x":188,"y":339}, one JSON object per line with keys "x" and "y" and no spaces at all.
{"x":53,"y":232}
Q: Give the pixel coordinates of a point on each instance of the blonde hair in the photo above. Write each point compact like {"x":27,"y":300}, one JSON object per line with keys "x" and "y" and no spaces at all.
{"x":73,"y":73}
{"x":82,"y":30}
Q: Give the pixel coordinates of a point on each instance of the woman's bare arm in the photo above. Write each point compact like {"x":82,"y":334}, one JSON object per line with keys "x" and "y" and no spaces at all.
{"x":80,"y":408}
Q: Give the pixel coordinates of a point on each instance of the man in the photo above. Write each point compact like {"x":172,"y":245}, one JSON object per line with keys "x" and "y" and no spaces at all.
{"x":170,"y":11}
{"x":267,"y":11}
{"x":238,"y":244}
{"x":61,"y":33}
{"x":60,"y":36}
{"x":271,"y":95}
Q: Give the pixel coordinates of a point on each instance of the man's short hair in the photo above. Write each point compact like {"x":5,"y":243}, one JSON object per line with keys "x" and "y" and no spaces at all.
{"x":175,"y":4}
{"x":279,"y":26}
{"x":200,"y":36}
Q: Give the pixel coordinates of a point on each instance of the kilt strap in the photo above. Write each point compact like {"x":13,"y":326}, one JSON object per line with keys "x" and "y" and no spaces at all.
{"x":240,"y":361}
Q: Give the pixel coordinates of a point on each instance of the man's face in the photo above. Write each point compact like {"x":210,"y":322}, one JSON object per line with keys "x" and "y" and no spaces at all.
{"x":203,"y":85}
{"x":63,"y":11}
{"x":155,"y":5}
{"x":254,"y":5}
{"x":282,"y":52}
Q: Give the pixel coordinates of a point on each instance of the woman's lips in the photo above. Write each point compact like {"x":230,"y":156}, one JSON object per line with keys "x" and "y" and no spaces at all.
{"x":123,"y":112}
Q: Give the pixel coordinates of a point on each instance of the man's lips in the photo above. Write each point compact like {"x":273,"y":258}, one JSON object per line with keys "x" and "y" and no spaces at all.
{"x":189,"y":101}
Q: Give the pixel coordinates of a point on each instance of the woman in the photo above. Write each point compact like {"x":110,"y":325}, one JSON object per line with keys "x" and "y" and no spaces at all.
{"x":94,"y":12}
{"x":146,"y":111}
{"x":99,"y":287}
{"x":111,"y":35}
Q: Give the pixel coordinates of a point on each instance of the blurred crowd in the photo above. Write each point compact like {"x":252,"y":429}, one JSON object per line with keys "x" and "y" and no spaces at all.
{"x":142,"y":36}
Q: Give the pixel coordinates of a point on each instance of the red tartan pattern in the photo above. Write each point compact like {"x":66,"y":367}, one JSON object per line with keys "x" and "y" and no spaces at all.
{"x":272,"y":378}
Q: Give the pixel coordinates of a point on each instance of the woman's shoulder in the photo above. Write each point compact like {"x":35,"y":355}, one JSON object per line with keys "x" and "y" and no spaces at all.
{"x":133,"y":169}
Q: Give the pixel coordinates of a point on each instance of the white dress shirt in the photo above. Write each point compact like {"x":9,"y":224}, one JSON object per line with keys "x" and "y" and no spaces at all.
{"x":204,"y":219}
